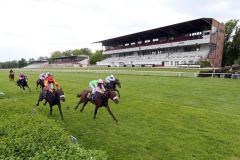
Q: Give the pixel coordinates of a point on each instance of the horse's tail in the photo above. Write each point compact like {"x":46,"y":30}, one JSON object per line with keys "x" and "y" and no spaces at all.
{"x":78,"y":95}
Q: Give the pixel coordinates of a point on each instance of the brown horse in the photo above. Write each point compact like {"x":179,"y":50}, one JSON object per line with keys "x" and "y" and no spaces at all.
{"x":112,"y":86}
{"x":53,"y":98}
{"x":11,"y":76}
{"x":100,"y":100}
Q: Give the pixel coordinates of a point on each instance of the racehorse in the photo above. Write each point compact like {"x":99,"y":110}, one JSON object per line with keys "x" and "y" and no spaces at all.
{"x":53,"y":98}
{"x":112,"y":86}
{"x":11,"y":76}
{"x":41,"y":83}
{"x":22,"y":83}
{"x":100,"y":100}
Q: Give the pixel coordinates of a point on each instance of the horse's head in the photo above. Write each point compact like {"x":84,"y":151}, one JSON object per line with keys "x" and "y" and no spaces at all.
{"x":113,"y":96}
{"x":61,"y":94}
{"x":118,"y":83}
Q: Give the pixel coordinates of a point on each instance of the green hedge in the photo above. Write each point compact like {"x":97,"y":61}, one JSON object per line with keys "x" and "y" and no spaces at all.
{"x":25,"y":134}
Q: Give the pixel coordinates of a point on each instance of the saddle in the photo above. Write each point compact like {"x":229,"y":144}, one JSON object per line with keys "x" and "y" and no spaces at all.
{"x":92,"y":97}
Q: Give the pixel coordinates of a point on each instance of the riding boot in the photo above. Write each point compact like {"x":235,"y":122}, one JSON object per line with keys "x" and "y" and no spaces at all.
{"x":92,"y":97}
{"x":46,"y":94}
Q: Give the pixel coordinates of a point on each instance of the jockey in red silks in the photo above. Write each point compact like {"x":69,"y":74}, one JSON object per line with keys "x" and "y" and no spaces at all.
{"x":49,"y":83}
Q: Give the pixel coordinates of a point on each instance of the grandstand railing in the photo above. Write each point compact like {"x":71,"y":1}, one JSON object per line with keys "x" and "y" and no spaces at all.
{"x":177,"y":39}
{"x":134,"y":72}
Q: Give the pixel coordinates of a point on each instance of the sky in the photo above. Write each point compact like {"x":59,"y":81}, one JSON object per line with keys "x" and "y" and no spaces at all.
{"x":34,"y":28}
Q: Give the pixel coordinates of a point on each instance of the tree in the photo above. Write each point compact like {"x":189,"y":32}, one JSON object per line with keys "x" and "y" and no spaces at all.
{"x":231,"y":42}
{"x":22,"y":63}
{"x":97,"y":56}
{"x":30,"y":60}
{"x":56,"y":54}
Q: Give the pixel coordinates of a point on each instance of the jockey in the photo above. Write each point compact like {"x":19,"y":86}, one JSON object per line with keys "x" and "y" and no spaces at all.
{"x":110,"y":78}
{"x":97,"y":87}
{"x":46,"y":74}
{"x":49,"y":83}
{"x":22,"y":78}
{"x":11,"y":71}
{"x":42,"y":76}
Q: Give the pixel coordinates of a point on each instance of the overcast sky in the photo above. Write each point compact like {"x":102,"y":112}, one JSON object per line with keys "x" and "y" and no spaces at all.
{"x":33,"y":28}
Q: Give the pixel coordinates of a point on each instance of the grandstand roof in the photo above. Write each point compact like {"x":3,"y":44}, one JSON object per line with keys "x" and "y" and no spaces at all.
{"x":179,"y":28}
{"x":67,"y":57}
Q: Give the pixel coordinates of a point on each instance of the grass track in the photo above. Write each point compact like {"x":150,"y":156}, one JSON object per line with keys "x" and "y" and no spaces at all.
{"x":159,"y":117}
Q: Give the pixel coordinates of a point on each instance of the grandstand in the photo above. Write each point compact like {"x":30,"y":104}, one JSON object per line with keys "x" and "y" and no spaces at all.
{"x":61,"y":62}
{"x":70,"y":61}
{"x":171,"y":46}
{"x":38,"y":64}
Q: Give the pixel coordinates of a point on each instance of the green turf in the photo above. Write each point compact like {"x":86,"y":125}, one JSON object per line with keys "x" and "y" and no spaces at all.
{"x":159,"y":117}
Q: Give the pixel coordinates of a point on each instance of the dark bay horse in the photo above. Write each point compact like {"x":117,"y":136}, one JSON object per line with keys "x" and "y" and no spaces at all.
{"x":22,"y":83}
{"x":100,"y":100}
{"x":53,"y":98}
{"x":41,"y":83}
{"x":11,"y":76}
{"x":112,"y":86}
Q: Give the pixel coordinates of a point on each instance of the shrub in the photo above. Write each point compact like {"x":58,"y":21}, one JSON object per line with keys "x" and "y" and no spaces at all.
{"x":26,"y":135}
{"x":204,"y":63}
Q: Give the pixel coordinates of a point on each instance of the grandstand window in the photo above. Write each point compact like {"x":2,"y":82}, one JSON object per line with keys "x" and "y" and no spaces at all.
{"x":153,"y":52}
{"x":133,"y":43}
{"x":206,"y":33}
{"x":139,"y":42}
{"x":171,"y":38}
{"x":190,"y":48}
{"x":126,"y":44}
{"x":198,"y":48}
{"x":147,"y":41}
{"x":155,"y":40}
{"x":162,"y":39}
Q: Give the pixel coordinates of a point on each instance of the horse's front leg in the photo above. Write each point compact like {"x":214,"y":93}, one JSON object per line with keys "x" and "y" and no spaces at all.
{"x":60,"y":111}
{"x":45,"y":102}
{"x":28,"y":88}
{"x":38,"y":102}
{"x":118,"y":93}
{"x":84,"y":105}
{"x":50,"y":109}
{"x":40,"y":98}
{"x":95,"y":113}
{"x":37,"y":86}
{"x":110,"y":112}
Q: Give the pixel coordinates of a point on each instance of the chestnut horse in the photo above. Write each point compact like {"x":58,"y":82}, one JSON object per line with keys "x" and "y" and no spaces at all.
{"x":100,"y":100}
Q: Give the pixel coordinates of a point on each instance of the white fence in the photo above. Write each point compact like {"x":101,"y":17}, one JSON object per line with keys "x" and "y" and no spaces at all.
{"x":134,"y":72}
